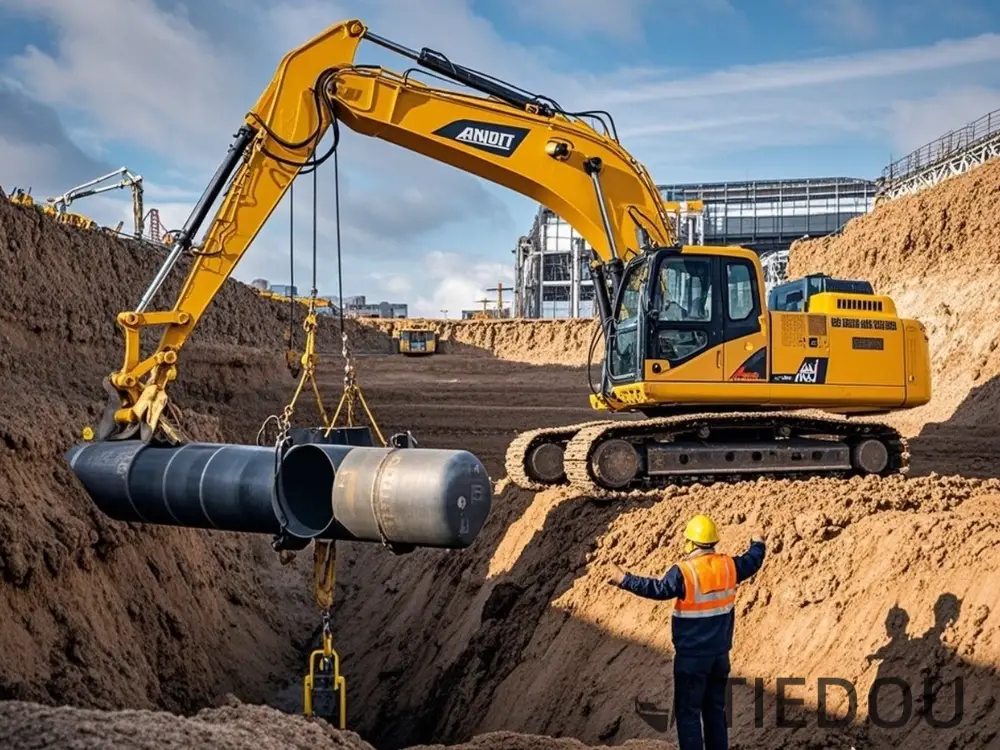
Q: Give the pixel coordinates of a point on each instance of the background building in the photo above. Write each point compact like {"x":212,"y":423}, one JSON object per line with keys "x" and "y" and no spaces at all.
{"x":768,"y":215}
{"x":358,"y":306}
{"x":551,"y":269}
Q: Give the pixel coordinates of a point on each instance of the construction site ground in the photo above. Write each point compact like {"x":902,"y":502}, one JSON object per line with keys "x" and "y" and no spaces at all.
{"x":120,"y":635}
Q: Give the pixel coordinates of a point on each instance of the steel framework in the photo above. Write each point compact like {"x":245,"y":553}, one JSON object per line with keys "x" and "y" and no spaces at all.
{"x":768,"y":215}
{"x":954,"y":153}
{"x":552,"y":265}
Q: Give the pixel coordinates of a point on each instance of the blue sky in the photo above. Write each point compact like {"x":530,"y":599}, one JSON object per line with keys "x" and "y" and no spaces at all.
{"x":701,"y":91}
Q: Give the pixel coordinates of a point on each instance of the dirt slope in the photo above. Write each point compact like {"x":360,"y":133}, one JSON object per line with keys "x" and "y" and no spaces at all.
{"x":536,"y":342}
{"x":937,"y":253}
{"x":98,"y":613}
{"x":530,"y":638}
{"x":28,"y":726}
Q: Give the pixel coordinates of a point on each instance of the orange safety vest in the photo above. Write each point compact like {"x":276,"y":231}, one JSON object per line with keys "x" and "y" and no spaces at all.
{"x":709,"y":586}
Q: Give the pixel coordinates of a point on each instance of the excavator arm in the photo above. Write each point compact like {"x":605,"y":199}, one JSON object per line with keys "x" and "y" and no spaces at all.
{"x":515,"y":139}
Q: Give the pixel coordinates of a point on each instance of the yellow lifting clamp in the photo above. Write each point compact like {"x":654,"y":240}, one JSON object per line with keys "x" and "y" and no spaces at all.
{"x":324,"y":691}
{"x":308,"y":374}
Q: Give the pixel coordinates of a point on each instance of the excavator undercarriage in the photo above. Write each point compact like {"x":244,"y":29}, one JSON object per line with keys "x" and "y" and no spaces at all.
{"x":610,"y":458}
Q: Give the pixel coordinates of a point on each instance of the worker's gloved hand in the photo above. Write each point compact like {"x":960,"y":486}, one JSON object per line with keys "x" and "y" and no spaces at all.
{"x":616,"y":575}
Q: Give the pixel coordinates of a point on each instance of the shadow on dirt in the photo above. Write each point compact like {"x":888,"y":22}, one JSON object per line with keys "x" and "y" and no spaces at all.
{"x":967,"y":443}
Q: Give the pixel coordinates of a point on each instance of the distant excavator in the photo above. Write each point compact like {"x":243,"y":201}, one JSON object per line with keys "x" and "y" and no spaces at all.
{"x":415,"y":340}
{"x":690,"y":341}
{"x":58,"y":206}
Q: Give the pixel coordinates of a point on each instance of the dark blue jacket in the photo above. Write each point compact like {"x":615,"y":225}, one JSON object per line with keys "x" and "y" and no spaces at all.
{"x":704,"y":636}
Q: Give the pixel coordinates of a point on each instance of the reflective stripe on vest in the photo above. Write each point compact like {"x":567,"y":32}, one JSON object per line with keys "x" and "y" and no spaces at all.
{"x":709,"y":586}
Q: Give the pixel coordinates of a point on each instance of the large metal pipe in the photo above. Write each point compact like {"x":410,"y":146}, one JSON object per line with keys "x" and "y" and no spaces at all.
{"x":423,"y":497}
{"x":197,"y":485}
{"x":409,"y":497}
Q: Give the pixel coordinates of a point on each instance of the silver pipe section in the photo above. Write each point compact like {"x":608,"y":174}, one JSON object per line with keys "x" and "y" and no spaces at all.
{"x":593,"y":168}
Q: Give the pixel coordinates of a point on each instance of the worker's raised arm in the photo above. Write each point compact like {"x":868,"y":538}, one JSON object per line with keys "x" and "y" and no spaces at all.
{"x":671,"y":586}
{"x":750,"y":561}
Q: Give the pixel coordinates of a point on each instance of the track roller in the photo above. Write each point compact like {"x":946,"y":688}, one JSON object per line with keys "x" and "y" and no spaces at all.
{"x":615,"y":463}
{"x":870,"y":456}
{"x":545,"y":463}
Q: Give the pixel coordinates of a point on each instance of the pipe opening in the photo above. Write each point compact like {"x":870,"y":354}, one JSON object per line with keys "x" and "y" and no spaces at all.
{"x":305,"y":491}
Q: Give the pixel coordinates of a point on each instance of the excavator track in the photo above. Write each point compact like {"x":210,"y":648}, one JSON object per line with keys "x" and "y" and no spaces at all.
{"x":744,"y":446}
{"x":716,"y":448}
{"x":519,"y":459}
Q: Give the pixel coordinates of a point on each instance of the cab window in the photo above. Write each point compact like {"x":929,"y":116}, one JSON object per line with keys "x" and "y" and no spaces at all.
{"x":684,"y":297}
{"x":685,"y":289}
{"x":632,"y":293}
{"x":740,"y":291}
{"x":623,"y":351}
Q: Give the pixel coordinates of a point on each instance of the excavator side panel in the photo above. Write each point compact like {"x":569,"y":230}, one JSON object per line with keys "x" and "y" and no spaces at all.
{"x":918,"y":363}
{"x":815,"y":363}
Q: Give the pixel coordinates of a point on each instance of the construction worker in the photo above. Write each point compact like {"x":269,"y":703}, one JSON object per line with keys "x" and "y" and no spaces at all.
{"x":704,"y":583}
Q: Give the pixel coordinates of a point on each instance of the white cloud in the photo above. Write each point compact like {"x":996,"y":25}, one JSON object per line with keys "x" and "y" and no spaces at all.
{"x":854,"y":18}
{"x":447,"y":281}
{"x":916,"y":122}
{"x":142,"y":74}
{"x":868,"y":66}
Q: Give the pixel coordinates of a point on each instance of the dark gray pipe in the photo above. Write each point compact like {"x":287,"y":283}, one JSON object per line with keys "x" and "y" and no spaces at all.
{"x":407,"y":497}
{"x":197,"y":485}
{"x":422,"y":497}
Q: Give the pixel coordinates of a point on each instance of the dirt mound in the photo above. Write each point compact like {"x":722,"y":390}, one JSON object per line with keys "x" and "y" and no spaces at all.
{"x":530,"y":638}
{"x":537,"y":342}
{"x":99,"y":613}
{"x":937,"y":253}
{"x":30,"y":726}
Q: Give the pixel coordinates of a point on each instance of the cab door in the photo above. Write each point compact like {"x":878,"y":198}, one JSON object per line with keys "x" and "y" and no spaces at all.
{"x":685,"y":337}
{"x":744,"y":330}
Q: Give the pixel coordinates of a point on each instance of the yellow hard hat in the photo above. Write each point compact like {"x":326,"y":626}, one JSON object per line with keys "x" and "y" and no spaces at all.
{"x":701,"y":530}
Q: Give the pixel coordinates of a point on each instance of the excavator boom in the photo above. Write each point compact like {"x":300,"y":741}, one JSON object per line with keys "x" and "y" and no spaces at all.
{"x":523,"y":142}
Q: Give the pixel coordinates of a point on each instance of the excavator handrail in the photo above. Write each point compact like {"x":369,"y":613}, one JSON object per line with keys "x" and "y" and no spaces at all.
{"x":511,"y":137}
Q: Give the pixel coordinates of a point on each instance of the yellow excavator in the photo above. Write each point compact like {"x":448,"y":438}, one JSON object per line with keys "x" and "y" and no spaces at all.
{"x":416,"y":339}
{"x":719,"y":374}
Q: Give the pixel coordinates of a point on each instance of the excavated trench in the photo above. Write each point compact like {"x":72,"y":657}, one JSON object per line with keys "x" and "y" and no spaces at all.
{"x":870,"y":586}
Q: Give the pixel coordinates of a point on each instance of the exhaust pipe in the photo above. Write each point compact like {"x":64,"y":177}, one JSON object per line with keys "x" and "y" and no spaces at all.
{"x":411,"y":497}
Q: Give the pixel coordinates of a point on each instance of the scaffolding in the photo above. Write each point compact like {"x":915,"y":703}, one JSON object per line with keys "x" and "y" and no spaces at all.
{"x":774,"y":265}
{"x":954,"y":153}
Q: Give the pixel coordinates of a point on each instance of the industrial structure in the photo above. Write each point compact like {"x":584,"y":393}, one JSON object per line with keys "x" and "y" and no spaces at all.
{"x":768,"y":215}
{"x":359,"y":307}
{"x":954,"y":153}
{"x":552,"y":273}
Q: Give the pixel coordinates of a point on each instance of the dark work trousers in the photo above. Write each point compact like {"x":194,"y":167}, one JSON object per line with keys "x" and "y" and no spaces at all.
{"x":700,"y":695}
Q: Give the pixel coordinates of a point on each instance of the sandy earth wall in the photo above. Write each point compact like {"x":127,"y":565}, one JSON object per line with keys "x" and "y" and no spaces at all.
{"x":864,"y":579}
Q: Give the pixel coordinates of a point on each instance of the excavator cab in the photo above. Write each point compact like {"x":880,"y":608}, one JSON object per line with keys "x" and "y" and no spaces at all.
{"x":676,"y":314}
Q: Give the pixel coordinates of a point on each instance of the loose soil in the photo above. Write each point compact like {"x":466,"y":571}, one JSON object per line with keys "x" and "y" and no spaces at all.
{"x":518,"y":639}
